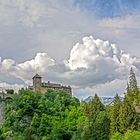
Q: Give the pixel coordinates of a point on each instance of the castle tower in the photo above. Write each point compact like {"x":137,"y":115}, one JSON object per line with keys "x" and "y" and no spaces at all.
{"x":37,"y":81}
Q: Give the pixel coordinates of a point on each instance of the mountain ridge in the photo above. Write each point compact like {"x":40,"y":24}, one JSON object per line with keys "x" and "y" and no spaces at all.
{"x":104,"y":99}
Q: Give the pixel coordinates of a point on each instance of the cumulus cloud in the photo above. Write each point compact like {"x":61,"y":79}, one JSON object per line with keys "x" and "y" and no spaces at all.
{"x":96,"y":52}
{"x":25,"y":70}
{"x":92,"y":62}
{"x":58,"y":25}
{"x":32,"y":26}
{"x":95,"y":61}
{"x":85,"y":54}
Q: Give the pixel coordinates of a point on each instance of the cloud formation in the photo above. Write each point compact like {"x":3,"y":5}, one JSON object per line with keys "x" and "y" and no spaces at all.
{"x":25,"y":70}
{"x":92,"y":63}
{"x":100,"y":61}
{"x":29,"y":27}
{"x":44,"y":25}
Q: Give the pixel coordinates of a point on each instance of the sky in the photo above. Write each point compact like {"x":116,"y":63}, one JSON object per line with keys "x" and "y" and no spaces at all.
{"x":89,"y":45}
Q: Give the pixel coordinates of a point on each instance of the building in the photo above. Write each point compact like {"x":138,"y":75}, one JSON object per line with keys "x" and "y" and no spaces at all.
{"x":42,"y":87}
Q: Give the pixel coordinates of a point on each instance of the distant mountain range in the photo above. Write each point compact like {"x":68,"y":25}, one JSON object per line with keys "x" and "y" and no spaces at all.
{"x":104,"y":100}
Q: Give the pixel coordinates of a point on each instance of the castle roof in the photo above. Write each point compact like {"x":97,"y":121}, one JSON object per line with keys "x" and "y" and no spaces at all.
{"x":54,"y":85}
{"x":51,"y":84}
{"x":37,"y":76}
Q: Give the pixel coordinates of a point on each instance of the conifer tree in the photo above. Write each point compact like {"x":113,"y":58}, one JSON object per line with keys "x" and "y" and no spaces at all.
{"x":97,"y":104}
{"x":127,"y":116}
{"x":87,"y":132}
{"x":115,"y":114}
{"x":101,"y":126}
{"x":92,"y":109}
{"x":132,"y":88}
{"x":133,"y":81}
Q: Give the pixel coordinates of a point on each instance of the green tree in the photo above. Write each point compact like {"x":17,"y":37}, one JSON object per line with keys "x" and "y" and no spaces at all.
{"x":93,"y":110}
{"x":117,"y":136}
{"x":132,"y":88}
{"x":97,"y":104}
{"x":9,"y":91}
{"x":133,"y":81}
{"x":127,"y":116}
{"x":132,"y":135}
{"x":87,"y":132}
{"x":44,"y":125}
{"x":35,"y":123}
{"x":114,"y":126}
{"x":101,"y":127}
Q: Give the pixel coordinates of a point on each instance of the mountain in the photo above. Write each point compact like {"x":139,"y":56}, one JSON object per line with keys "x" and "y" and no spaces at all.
{"x":104,"y":100}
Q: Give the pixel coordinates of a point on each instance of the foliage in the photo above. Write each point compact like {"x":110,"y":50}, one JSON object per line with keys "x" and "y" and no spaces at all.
{"x":117,"y":136}
{"x":132,"y":88}
{"x":132,"y":135}
{"x":129,"y":135}
{"x":114,"y":126}
{"x":53,"y":115}
{"x":127,"y":116}
{"x":56,"y":115}
{"x":98,"y":123}
{"x":9,"y":91}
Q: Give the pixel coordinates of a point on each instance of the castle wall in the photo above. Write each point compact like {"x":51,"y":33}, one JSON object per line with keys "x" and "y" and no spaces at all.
{"x":38,"y":86}
{"x":68,"y":90}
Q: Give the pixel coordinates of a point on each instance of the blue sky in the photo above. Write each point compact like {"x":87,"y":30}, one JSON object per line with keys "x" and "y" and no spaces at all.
{"x":110,"y":8}
{"x":70,"y":42}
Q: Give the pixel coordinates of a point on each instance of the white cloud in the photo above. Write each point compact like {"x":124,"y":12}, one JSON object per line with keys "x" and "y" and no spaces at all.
{"x":25,"y":70}
{"x":95,"y":61}
{"x":16,"y":87}
{"x":27,"y":12}
{"x":92,"y":50}
{"x":107,"y":89}
{"x":94,"y":64}
{"x":56,"y":26}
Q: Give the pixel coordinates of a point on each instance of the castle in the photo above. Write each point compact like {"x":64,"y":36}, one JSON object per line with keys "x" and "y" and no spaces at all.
{"x":42,"y":87}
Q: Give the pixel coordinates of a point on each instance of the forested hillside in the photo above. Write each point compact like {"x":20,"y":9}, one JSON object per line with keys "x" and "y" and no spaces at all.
{"x":58,"y":116}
